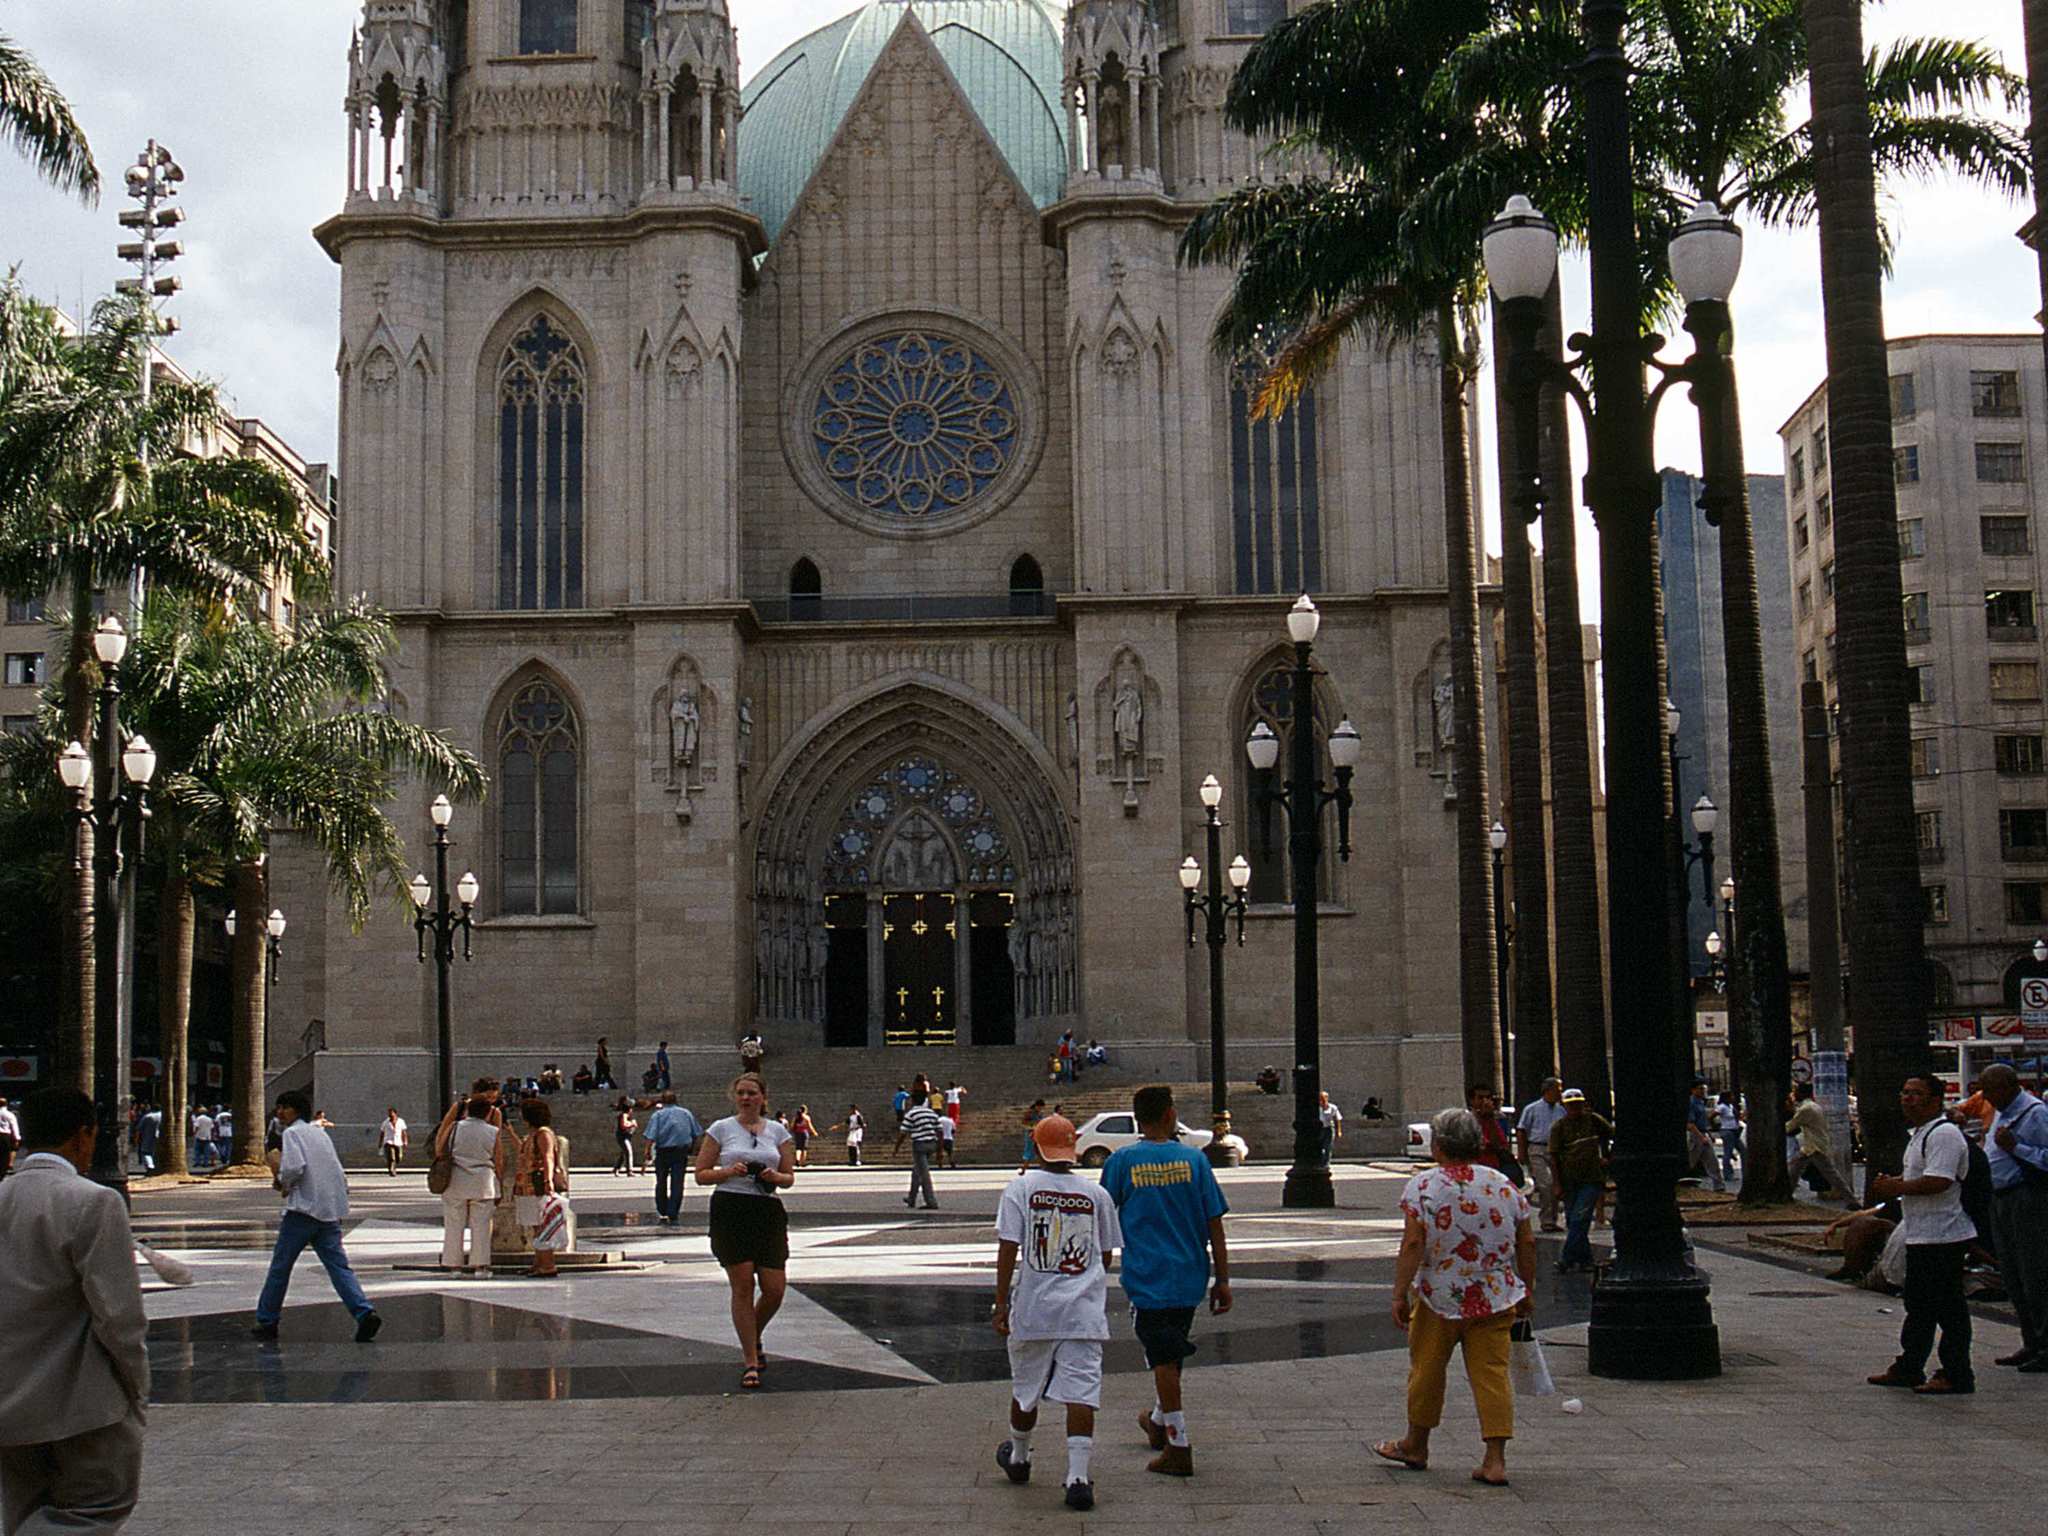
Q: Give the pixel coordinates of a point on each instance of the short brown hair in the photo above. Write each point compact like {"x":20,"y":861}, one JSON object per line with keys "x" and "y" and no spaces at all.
{"x":1152,"y":1104}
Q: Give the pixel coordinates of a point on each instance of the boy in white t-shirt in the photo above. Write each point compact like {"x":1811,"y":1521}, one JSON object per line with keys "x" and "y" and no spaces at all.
{"x":1063,"y":1227}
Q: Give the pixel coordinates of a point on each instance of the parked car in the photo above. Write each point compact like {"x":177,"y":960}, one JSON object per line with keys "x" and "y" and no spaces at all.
{"x":1418,"y":1140}
{"x":1104,"y":1133}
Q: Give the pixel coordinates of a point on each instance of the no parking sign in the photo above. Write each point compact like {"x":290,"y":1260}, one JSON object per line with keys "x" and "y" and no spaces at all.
{"x":2034,"y":1008}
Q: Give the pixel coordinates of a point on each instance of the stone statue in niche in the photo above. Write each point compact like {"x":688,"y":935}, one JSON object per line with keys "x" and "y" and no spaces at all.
{"x":1123,"y":701}
{"x":684,"y":723}
{"x":681,"y":755}
{"x":746,"y":753}
{"x":1127,"y":713}
{"x":1443,"y":710}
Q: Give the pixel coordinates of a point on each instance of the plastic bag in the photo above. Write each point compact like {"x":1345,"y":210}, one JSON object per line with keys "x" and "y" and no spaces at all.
{"x":1530,"y":1370}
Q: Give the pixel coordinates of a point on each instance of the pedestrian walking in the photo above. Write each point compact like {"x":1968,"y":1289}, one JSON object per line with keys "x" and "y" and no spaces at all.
{"x":624,"y":1127}
{"x":924,"y":1130}
{"x":1331,"y":1119}
{"x":744,"y":1159}
{"x":74,"y":1374}
{"x":661,"y":1067}
{"x":1032,"y":1116}
{"x":672,"y":1135}
{"x":1937,"y":1233}
{"x":1728,"y":1126}
{"x":474,"y":1179}
{"x":1533,"y":1125}
{"x":202,"y":1139}
{"x":900,"y":1102}
{"x":1171,"y":1212}
{"x":149,"y":1137}
{"x":315,"y":1191}
{"x":1699,"y":1139}
{"x":223,"y":1135}
{"x":2018,"y":1150}
{"x":540,"y":1200}
{"x":856,"y":1127}
{"x":955,"y":1101}
{"x":1061,"y":1227}
{"x":1578,"y":1167}
{"x":1467,"y":1261}
{"x":949,"y":1132}
{"x":1816,"y":1143}
{"x":1494,"y":1151}
{"x":801,"y":1129}
{"x":391,"y":1136}
{"x":10,"y":1136}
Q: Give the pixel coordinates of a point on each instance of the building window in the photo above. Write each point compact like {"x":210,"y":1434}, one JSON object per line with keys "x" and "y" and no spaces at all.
{"x":1823,"y":511}
{"x":2023,"y":834}
{"x":24,"y":669}
{"x":1919,"y":685}
{"x":1027,"y":587}
{"x":2000,"y":464}
{"x":1918,"y":615}
{"x":1906,"y":464}
{"x":1800,"y":537}
{"x":1252,"y":18}
{"x":541,"y":450}
{"x":2023,"y":904}
{"x":1994,"y":392}
{"x":547,"y":26}
{"x":1820,"y":451}
{"x":1795,"y":474}
{"x":17,"y":725}
{"x":1934,"y":903}
{"x":2005,"y":535}
{"x":1827,"y":581}
{"x":639,"y":26}
{"x":1926,"y":756}
{"x":1929,"y":825}
{"x":1828,"y":643}
{"x":1912,"y":538}
{"x":539,"y":751}
{"x":1805,"y":598}
{"x":1809,"y":668}
{"x":2018,"y":754}
{"x":806,"y":590}
{"x":2009,"y":614}
{"x":24,"y":610}
{"x":1275,"y":500}
{"x":2015,"y":680}
{"x":1903,"y":407}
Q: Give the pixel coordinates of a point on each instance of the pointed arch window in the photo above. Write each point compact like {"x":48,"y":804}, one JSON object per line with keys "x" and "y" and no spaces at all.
{"x":540,"y":751}
{"x":1276,"y":519}
{"x":542,"y":389}
{"x":547,"y":26}
{"x":1272,"y":701}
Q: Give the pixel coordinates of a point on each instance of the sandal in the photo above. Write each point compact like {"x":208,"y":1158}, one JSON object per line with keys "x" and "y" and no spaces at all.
{"x":1479,"y":1477}
{"x":1390,"y":1450}
{"x":750,"y":1378}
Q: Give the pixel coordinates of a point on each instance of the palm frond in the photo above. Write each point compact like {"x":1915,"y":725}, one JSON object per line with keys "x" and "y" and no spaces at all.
{"x":37,"y":120}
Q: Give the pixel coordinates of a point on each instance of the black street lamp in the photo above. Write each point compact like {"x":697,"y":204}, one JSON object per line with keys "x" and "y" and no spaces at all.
{"x":1498,"y":838}
{"x":443,"y":923}
{"x":273,"y":940}
{"x":1308,"y":1180}
{"x":1728,"y":941}
{"x":1706,"y":816}
{"x":1216,"y":906}
{"x":1651,"y":1316}
{"x":110,"y":794}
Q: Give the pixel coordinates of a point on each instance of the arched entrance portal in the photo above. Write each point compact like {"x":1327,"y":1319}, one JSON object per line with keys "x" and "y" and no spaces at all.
{"x":914,"y":879}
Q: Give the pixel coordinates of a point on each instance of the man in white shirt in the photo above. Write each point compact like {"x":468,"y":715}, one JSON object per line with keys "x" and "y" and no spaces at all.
{"x":392,"y":1137}
{"x":1533,"y":1124}
{"x":315,"y":1191}
{"x":10,"y":1137}
{"x":224,"y":1134}
{"x":1937,"y":1235}
{"x":202,"y":1139}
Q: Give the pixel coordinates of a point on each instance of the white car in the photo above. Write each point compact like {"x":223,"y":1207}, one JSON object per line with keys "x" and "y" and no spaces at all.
{"x":1418,"y":1141}
{"x":1104,"y":1134}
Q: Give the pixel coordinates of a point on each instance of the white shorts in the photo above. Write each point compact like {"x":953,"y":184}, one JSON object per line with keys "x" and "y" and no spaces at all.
{"x":1056,"y":1370}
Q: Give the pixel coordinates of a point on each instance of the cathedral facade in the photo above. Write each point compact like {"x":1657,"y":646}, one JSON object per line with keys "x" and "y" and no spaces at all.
{"x":819,"y":503}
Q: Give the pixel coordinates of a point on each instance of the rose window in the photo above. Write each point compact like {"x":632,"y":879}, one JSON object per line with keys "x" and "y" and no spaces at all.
{"x":912,"y":425}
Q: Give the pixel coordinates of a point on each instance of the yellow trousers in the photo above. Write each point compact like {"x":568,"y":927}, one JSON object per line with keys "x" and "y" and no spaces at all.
{"x":1431,"y":1338}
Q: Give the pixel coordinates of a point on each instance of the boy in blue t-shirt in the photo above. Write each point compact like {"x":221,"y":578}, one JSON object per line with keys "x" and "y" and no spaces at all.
{"x":1171,"y":1211}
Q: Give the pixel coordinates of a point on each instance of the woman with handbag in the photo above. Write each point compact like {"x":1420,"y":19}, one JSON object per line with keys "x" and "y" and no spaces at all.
{"x":744,"y":1159}
{"x":541,"y":1189}
{"x":466,"y":1204}
{"x":624,"y":1127}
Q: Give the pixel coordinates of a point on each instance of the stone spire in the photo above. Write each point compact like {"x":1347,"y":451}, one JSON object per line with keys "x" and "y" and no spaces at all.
{"x":690,"y":94}
{"x":1113,"y":93}
{"x":397,"y":103}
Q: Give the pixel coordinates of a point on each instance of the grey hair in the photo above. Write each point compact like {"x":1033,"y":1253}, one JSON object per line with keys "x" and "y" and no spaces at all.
{"x":1455,"y":1133}
{"x":1999,"y":1074}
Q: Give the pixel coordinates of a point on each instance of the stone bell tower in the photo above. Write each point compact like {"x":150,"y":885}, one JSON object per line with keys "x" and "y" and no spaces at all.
{"x":690,"y":97}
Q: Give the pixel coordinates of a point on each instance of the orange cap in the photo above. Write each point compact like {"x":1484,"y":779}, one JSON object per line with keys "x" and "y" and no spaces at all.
{"x":1054,"y":1138}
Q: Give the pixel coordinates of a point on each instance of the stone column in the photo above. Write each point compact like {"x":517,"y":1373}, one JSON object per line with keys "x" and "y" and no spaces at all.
{"x":1132,"y":152}
{"x":1157,"y":161}
{"x":1073,"y":132}
{"x":732,"y":139}
{"x":704,"y":172}
{"x":878,"y":1007}
{"x":665,"y":179}
{"x":963,"y":970}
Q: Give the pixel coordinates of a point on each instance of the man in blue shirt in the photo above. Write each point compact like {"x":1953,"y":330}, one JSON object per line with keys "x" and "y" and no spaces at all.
{"x":1171,"y":1211}
{"x":2018,"y":1151}
{"x":673,"y":1132}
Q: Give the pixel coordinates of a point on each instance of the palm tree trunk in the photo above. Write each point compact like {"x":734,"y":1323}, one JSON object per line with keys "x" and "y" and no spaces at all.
{"x":78,"y":997}
{"x":1759,"y":996}
{"x":175,"y":923}
{"x":1882,"y":916}
{"x":1582,"y":1043}
{"x":1481,"y":1026}
{"x":246,"y":989}
{"x":1535,"y":1031}
{"x":2034,"y":13}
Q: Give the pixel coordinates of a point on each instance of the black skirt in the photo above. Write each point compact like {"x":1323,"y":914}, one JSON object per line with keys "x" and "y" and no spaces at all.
{"x":749,"y":1229}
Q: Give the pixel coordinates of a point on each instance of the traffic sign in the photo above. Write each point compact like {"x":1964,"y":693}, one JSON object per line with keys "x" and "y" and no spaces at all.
{"x":1802,"y":1069}
{"x":2034,"y":1007}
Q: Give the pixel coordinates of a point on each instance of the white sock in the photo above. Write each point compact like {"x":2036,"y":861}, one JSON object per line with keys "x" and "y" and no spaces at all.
{"x":1020,"y":1445}
{"x":1078,"y":1447}
{"x":1177,"y":1429}
{"x":1158,"y":1414}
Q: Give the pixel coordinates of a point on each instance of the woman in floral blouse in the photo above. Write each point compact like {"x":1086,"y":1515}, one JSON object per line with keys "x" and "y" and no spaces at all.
{"x":1467,"y":1258}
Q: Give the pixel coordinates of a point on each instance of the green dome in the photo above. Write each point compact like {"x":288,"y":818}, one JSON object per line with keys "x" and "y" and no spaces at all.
{"x":1004,"y":53}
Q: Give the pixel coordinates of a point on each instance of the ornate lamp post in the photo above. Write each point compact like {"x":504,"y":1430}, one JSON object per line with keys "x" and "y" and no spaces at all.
{"x":1498,"y":839}
{"x":443,"y":923}
{"x":1303,"y":798}
{"x":110,"y":794}
{"x":273,"y":940}
{"x":1216,"y":907}
{"x":1651,"y":1316}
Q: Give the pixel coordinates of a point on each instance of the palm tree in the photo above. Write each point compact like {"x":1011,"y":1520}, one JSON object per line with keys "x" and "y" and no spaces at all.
{"x":246,"y":722}
{"x":2034,"y":15}
{"x":37,"y":121}
{"x":95,"y":485}
{"x":1326,"y":260}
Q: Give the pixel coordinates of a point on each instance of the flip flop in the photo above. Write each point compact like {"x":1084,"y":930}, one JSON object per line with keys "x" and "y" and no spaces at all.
{"x":750,"y":1378}
{"x":1390,"y":1450}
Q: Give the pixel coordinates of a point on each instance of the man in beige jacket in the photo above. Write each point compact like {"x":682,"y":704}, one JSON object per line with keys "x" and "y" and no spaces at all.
{"x":74,"y":1377}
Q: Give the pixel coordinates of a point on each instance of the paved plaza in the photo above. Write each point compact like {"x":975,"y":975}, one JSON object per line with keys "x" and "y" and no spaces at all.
{"x":887,"y":1391}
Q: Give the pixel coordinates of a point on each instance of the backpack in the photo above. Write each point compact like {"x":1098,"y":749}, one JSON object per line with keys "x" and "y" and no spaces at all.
{"x":1977,"y":1191}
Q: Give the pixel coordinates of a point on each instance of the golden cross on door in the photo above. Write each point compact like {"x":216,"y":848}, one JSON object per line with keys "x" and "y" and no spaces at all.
{"x":919,"y":928}
{"x":938,"y":996}
{"x":902,"y":996}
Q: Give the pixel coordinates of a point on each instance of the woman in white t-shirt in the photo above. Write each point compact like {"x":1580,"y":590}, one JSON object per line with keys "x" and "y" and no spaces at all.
{"x":856,"y":1127}
{"x":744,"y":1159}
{"x":472,"y":1192}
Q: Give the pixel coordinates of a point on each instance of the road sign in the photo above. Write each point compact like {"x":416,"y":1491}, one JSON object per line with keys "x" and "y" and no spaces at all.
{"x":1802,"y":1069}
{"x":2034,"y":1007}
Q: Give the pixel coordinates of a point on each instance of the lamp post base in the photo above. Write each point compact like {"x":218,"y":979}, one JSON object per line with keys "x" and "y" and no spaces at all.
{"x":1657,"y":1328}
{"x":1308,"y":1188}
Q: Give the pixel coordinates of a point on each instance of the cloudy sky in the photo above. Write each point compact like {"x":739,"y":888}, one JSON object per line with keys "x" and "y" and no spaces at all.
{"x":248,"y":94}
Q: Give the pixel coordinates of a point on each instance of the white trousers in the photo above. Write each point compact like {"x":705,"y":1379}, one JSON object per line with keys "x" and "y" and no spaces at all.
{"x":456,"y":1214}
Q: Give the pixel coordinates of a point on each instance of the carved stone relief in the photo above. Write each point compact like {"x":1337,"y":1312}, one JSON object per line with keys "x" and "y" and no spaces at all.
{"x":1435,"y":722}
{"x":1124,"y":699}
{"x":684,"y":711}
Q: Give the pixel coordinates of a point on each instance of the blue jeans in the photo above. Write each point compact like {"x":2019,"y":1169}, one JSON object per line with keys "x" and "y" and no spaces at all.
{"x":294,"y":1234}
{"x":1731,"y":1150}
{"x":670,"y":1165}
{"x":1578,"y":1225}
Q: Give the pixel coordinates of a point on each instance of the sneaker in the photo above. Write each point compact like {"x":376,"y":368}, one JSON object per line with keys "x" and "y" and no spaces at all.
{"x":1081,"y":1496}
{"x":265,"y":1333}
{"x":367,"y":1326}
{"x":1015,"y":1471}
{"x":1174,"y":1461}
{"x":1155,"y":1434}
